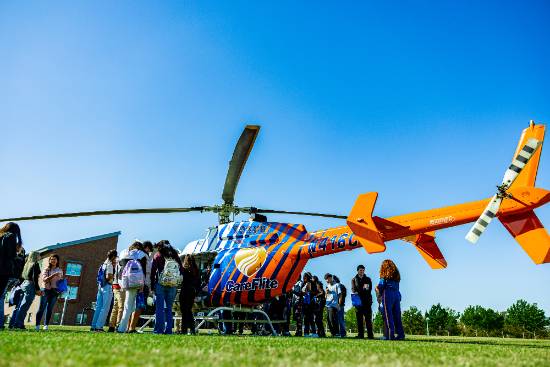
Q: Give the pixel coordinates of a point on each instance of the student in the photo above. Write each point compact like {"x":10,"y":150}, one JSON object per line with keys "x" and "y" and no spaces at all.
{"x":15,"y":283}
{"x":189,"y":285}
{"x":164,"y":271}
{"x":309,"y":305}
{"x":50,"y":276}
{"x":342,"y":306}
{"x":362,"y":286}
{"x":319,"y":307}
{"x":10,"y":242}
{"x":136,"y":256}
{"x":388,"y":290}
{"x":148,"y":249}
{"x":332,"y":293}
{"x":30,"y":274}
{"x":104,"y":297}
{"x":118,"y":297}
{"x":298,"y":305}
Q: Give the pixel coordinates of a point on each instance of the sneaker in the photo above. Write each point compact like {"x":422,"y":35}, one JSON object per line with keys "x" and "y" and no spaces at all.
{"x":37,"y":328}
{"x":45,"y":328}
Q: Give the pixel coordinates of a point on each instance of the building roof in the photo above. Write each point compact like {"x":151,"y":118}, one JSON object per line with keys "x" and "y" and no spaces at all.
{"x":77,"y":242}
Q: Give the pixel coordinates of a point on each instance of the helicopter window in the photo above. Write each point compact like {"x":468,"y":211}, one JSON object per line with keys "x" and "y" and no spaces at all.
{"x":217,"y":266}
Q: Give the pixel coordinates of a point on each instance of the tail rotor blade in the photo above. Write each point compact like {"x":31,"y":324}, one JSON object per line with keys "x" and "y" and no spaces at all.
{"x":481,"y":224}
{"x":520,"y":161}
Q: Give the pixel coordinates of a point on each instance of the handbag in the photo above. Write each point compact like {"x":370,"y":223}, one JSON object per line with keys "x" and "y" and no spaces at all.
{"x":61,"y":285}
{"x":355,"y":300}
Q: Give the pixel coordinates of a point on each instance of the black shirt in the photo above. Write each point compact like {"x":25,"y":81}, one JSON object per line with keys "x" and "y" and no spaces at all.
{"x":357,"y":286}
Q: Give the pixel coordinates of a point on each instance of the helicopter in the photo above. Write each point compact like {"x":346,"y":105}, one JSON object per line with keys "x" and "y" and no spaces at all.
{"x":256,"y":260}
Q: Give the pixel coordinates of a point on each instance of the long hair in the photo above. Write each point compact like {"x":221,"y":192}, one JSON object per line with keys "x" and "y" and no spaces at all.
{"x":14,"y":229}
{"x":190,"y":265}
{"x":136,"y":245}
{"x":58,"y":262}
{"x":388,"y":270}
{"x":31,"y":260}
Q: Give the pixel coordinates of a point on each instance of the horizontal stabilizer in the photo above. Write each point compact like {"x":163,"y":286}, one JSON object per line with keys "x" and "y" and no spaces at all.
{"x":530,"y":234}
{"x":362,"y":225}
{"x":426,"y":246}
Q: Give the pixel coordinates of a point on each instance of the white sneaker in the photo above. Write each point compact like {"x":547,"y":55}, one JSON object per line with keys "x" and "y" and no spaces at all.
{"x":45,"y":327}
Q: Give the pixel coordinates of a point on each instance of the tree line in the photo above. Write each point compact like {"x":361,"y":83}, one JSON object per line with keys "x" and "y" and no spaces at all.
{"x":520,"y":320}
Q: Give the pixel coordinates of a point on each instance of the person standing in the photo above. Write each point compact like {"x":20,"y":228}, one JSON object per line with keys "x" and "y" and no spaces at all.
{"x":189,"y":286}
{"x":104,"y":297}
{"x":133,"y":264}
{"x":319,"y":307}
{"x":165,"y":277}
{"x":118,"y":297}
{"x":361,"y":285}
{"x":342,"y":306}
{"x":148,"y":249}
{"x":298,"y":305}
{"x":332,"y":293}
{"x":30,"y":274}
{"x":388,"y":290}
{"x":309,"y":305}
{"x":10,"y":243}
{"x":50,"y":276}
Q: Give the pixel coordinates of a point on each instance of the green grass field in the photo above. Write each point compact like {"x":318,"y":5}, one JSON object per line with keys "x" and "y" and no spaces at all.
{"x":74,"y":347}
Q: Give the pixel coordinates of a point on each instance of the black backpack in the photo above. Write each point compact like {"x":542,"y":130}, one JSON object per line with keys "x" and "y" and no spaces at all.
{"x":343,"y":290}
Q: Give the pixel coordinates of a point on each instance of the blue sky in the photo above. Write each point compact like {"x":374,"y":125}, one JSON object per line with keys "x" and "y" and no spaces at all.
{"x":139,"y":104}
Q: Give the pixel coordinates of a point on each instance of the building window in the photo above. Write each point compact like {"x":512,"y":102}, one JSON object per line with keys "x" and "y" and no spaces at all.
{"x":81,"y":318}
{"x":74,"y":269}
{"x":72,"y":292}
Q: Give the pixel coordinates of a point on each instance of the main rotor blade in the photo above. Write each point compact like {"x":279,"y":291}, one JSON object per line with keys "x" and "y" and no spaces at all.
{"x":481,"y":224}
{"x":520,"y":161}
{"x":107,"y":212}
{"x":267,"y":211}
{"x":236,"y":165}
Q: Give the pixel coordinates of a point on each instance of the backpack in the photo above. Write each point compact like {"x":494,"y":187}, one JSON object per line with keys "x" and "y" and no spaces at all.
{"x":15,"y":295}
{"x":132,"y":275}
{"x":102,"y":276}
{"x":170,"y":275}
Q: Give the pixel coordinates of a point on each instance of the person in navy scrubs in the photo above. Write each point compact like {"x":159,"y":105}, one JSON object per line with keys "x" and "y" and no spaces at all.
{"x":387,"y":291}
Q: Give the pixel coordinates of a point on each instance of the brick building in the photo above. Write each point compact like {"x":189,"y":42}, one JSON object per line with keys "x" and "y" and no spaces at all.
{"x":80,"y":261}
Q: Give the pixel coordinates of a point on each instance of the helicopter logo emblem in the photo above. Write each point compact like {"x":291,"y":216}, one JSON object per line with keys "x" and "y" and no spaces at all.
{"x":250,"y":260}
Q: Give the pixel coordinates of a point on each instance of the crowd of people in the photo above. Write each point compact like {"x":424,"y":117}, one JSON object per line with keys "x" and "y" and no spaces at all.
{"x":154,"y":274}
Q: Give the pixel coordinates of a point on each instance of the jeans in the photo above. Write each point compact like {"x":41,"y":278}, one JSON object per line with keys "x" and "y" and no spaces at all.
{"x":102,"y":304}
{"x":164,"y":320}
{"x":118,"y":307}
{"x":342,"y":321}
{"x":47,"y":303}
{"x":129,"y":307}
{"x":332,"y":318}
{"x":29,"y":290}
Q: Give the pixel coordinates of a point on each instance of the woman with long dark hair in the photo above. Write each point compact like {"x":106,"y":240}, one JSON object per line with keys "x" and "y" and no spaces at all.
{"x":309,"y":289}
{"x":10,"y":243}
{"x":387,"y":291}
{"x":189,"y":286}
{"x":50,"y":276}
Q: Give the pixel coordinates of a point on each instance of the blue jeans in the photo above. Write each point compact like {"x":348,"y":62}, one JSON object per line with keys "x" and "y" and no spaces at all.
{"x":102,"y":305}
{"x":47,"y":303}
{"x":29,"y":290}
{"x":164,"y":320}
{"x":342,"y":322}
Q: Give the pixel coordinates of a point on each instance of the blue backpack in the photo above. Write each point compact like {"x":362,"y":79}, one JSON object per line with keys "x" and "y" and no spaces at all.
{"x":102,"y":276}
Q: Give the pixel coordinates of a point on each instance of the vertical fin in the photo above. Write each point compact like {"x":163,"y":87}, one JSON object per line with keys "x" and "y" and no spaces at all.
{"x":528,"y":175}
{"x":362,"y":225}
